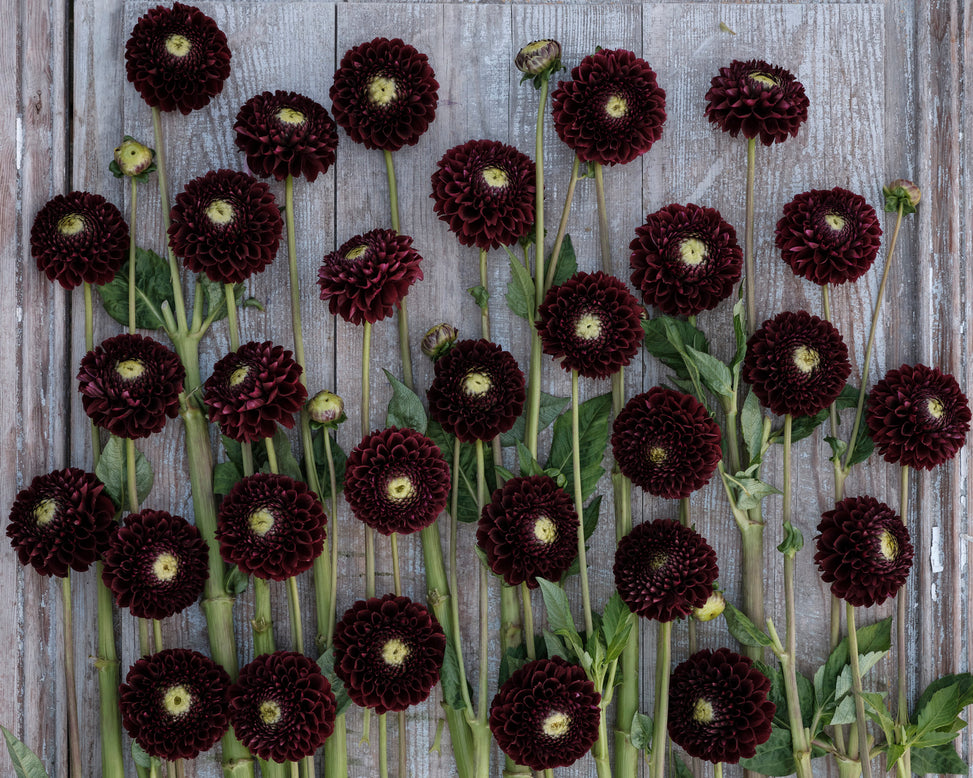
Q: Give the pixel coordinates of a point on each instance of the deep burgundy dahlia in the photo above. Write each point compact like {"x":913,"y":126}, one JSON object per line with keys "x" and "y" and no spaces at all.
{"x":130,"y":385}
{"x":369,"y":275}
{"x":796,"y":364}
{"x":286,"y":134}
{"x":79,"y":237}
{"x":484,"y":190}
{"x":718,"y":706}
{"x":388,"y":651}
{"x":592,"y":323}
{"x":226,"y":224}
{"x":478,"y":391}
{"x":663,"y":570}
{"x":757,"y":99}
{"x":666,"y":442}
{"x":685,"y":259}
{"x":864,"y":551}
{"x":62,"y":520}
{"x":546,"y":714}
{"x":529,"y":530}
{"x":384,"y":94}
{"x":282,"y":707}
{"x":252,"y":390}
{"x":918,"y":416}
{"x":174,"y":703}
{"x":177,"y":58}
{"x":155,"y":564}
{"x":271,"y":526}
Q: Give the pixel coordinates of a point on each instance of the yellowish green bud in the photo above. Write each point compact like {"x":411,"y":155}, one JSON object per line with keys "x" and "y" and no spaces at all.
{"x":901,"y":193}
{"x":711,"y":609}
{"x":133,"y":159}
{"x":439,"y":340}
{"x":539,"y":57}
{"x":326,"y":409}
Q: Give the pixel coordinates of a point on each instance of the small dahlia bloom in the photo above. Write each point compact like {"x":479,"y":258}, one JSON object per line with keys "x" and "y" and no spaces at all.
{"x":369,"y":276}
{"x":918,"y":417}
{"x":130,"y":385}
{"x":758,"y":100}
{"x":61,"y":521}
{"x":546,"y":714}
{"x":384,"y":94}
{"x":177,"y":58}
{"x":612,"y":110}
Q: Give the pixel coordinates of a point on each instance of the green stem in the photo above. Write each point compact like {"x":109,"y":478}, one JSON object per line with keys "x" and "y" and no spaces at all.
{"x":718,"y":770}
{"x":484,"y":591}
{"x":231,"y":316}
{"x":528,"y":621}
{"x":604,"y":238}
{"x":562,"y":227}
{"x":403,"y":766}
{"x":160,"y":157}
{"x":396,"y":575}
{"x":685,"y":516}
{"x":109,"y":677}
{"x":383,"y":747}
{"x":89,"y":344}
{"x":600,"y":750}
{"x":145,"y":643}
{"x":294,"y":601}
{"x":405,"y":352}
{"x":856,"y":684}
{"x":750,"y":264}
{"x":133,"y":496}
{"x":332,"y":591}
{"x":578,"y":503}
{"x":263,"y":624}
{"x":131,"y":261}
{"x":74,"y":730}
{"x":454,"y":583}
{"x":157,"y":634}
{"x":485,"y":308}
{"x":663,"y":661}
{"x":271,"y":455}
{"x":901,"y":601}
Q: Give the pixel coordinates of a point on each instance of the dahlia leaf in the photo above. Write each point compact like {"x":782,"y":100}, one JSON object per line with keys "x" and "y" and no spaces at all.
{"x":153,"y":286}
{"x":451,"y":679}
{"x":616,"y":625}
{"x":775,"y":757}
{"x":714,"y":374}
{"x":567,"y":263}
{"x":864,"y":446}
{"x":236,"y":581}
{"x":140,"y":757}
{"x":793,"y":540}
{"x":752,"y":424}
{"x":743,"y":629}
{"x":838,"y":448}
{"x":750,"y":492}
{"x":941,"y":711}
{"x":286,"y":462}
{"x":590,"y":519}
{"x":341,"y":698}
{"x":641,"y":732}
{"x":740,"y":335}
{"x":225,"y":477}
{"x":112,"y":472}
{"x":657,"y":343}
{"x":520,"y":290}
{"x":503,"y":473}
{"x":405,"y":407}
{"x":555,"y":646}
{"x":550,"y":408}
{"x":682,"y":771}
{"x":593,"y":428}
{"x":514,"y":658}
{"x":871,"y":638}
{"x":467,"y":510}
{"x":941,"y":759}
{"x":876,"y":710}
{"x":962,"y":681}
{"x":845,"y":711}
{"x":480,"y":295}
{"x":321,"y":461}
{"x":528,"y":465}
{"x":26,"y":763}
{"x":559,"y":617}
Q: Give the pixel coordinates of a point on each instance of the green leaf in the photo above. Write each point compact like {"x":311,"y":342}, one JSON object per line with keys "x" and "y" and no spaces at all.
{"x":740,"y":335}
{"x":567,"y":263}
{"x":871,"y":638}
{"x":405,"y":407}
{"x":682,"y":771}
{"x":480,"y":296}
{"x":641,"y":732}
{"x":743,"y":629}
{"x":528,"y":465}
{"x":140,"y":757}
{"x":559,"y":617}
{"x":714,"y":374}
{"x":750,"y":492}
{"x":657,"y":343}
{"x":520,"y":290}
{"x":940,"y":711}
{"x":225,"y":477}
{"x":590,"y":520}
{"x":805,"y":694}
{"x":941,"y":759}
{"x":215,"y":295}
{"x":342,"y":700}
{"x":793,"y":540}
{"x":26,"y":764}
{"x":234,"y":451}
{"x":962,"y":681}
{"x":467,"y":508}
{"x":512,"y":661}
{"x":286,"y":462}
{"x":321,"y":461}
{"x":153,"y":286}
{"x":235,"y":581}
{"x":593,"y":428}
{"x":752,"y":424}
{"x":878,"y":712}
{"x":864,"y":446}
{"x":452,"y":679}
{"x":112,"y":471}
{"x":555,"y":646}
{"x":775,"y":757}
{"x":845,"y":711}
{"x":838,"y":448}
{"x":551,"y":406}
{"x":616,"y":625}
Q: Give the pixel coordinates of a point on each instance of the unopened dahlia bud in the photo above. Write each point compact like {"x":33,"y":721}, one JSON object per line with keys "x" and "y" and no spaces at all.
{"x":539,"y":56}
{"x":132,"y":159}
{"x":326,"y":409}
{"x":438,"y":340}
{"x":711,"y":609}
{"x":901,"y":192}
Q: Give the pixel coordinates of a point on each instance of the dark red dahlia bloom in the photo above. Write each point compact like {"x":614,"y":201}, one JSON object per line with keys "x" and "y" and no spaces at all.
{"x":384,"y":94}
{"x":396,"y":480}
{"x":829,"y":236}
{"x":79,"y":237}
{"x":529,"y":531}
{"x":685,"y":259}
{"x":271,"y":526}
{"x":612,"y":110}
{"x":546,"y":714}
{"x":757,"y":99}
{"x":226,"y":224}
{"x":666,"y":442}
{"x":252,"y":390}
{"x":796,"y":364}
{"x":718,"y":706}
{"x":130,"y":385}
{"x":388,"y":651}
{"x":478,"y":391}
{"x":484,"y":190}
{"x":62,"y":520}
{"x":286,"y":134}
{"x":918,"y":416}
{"x":369,"y":276}
{"x":174,"y":703}
{"x":177,"y":58}
{"x":864,"y":551}
{"x":282,"y":707}
{"x":155,"y":564}
{"x":664,"y":570}
{"x":592,"y":323}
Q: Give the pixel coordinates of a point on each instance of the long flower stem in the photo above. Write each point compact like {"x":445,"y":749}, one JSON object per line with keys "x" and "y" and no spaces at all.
{"x":454,"y":583}
{"x":231,"y":316}
{"x":131,"y":260}
{"x":263,"y":624}
{"x":160,"y":157}
{"x":383,"y":747}
{"x":528,"y":621}
{"x":901,"y":602}
{"x":294,"y":601}
{"x":405,"y":352}
{"x":663,"y":660}
{"x":74,"y":731}
{"x":856,"y":683}
{"x":484,"y":591}
{"x":485,"y":308}
{"x":562,"y":227}
{"x":749,"y":262}
{"x":109,"y":677}
{"x":604,"y":238}
{"x":578,"y":504}
{"x":600,"y":751}
{"x":685,"y":516}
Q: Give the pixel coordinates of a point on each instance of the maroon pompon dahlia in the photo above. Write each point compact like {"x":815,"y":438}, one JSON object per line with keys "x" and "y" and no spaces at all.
{"x":252,"y":390}
{"x":61,"y":521}
{"x":478,"y":391}
{"x":174,"y":703}
{"x":546,"y":714}
{"x":79,"y":237}
{"x":718,"y":706}
{"x":758,"y":100}
{"x":529,"y":530}
{"x":282,"y":707}
{"x":271,"y":526}
{"x":484,"y":190}
{"x":666,"y":443}
{"x":286,"y":134}
{"x":796,"y":363}
{"x":130,"y":385}
{"x":918,"y":417}
{"x":685,"y":259}
{"x":612,"y":110}
{"x":388,"y":651}
{"x":367,"y":278}
{"x":177,"y":58}
{"x":384,"y":94}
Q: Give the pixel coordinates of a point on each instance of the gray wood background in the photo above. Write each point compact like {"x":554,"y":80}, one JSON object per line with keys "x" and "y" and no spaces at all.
{"x":888,"y":100}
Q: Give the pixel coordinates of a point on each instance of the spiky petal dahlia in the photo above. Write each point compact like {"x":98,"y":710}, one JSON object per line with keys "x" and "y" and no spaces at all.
{"x":918,"y":416}
{"x":384,"y":94}
{"x":546,"y":714}
{"x":757,"y":99}
{"x":388,"y":651}
{"x":612,"y":110}
{"x":484,"y":190}
{"x":177,"y":58}
{"x":718,"y":706}
{"x":369,"y":275}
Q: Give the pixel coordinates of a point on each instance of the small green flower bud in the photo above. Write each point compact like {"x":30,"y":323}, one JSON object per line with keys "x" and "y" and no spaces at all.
{"x":711,"y":609}
{"x":439,"y":340}
{"x":901,"y":192}
{"x":326,"y":409}
{"x":133,"y":159}
{"x":539,"y":57}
